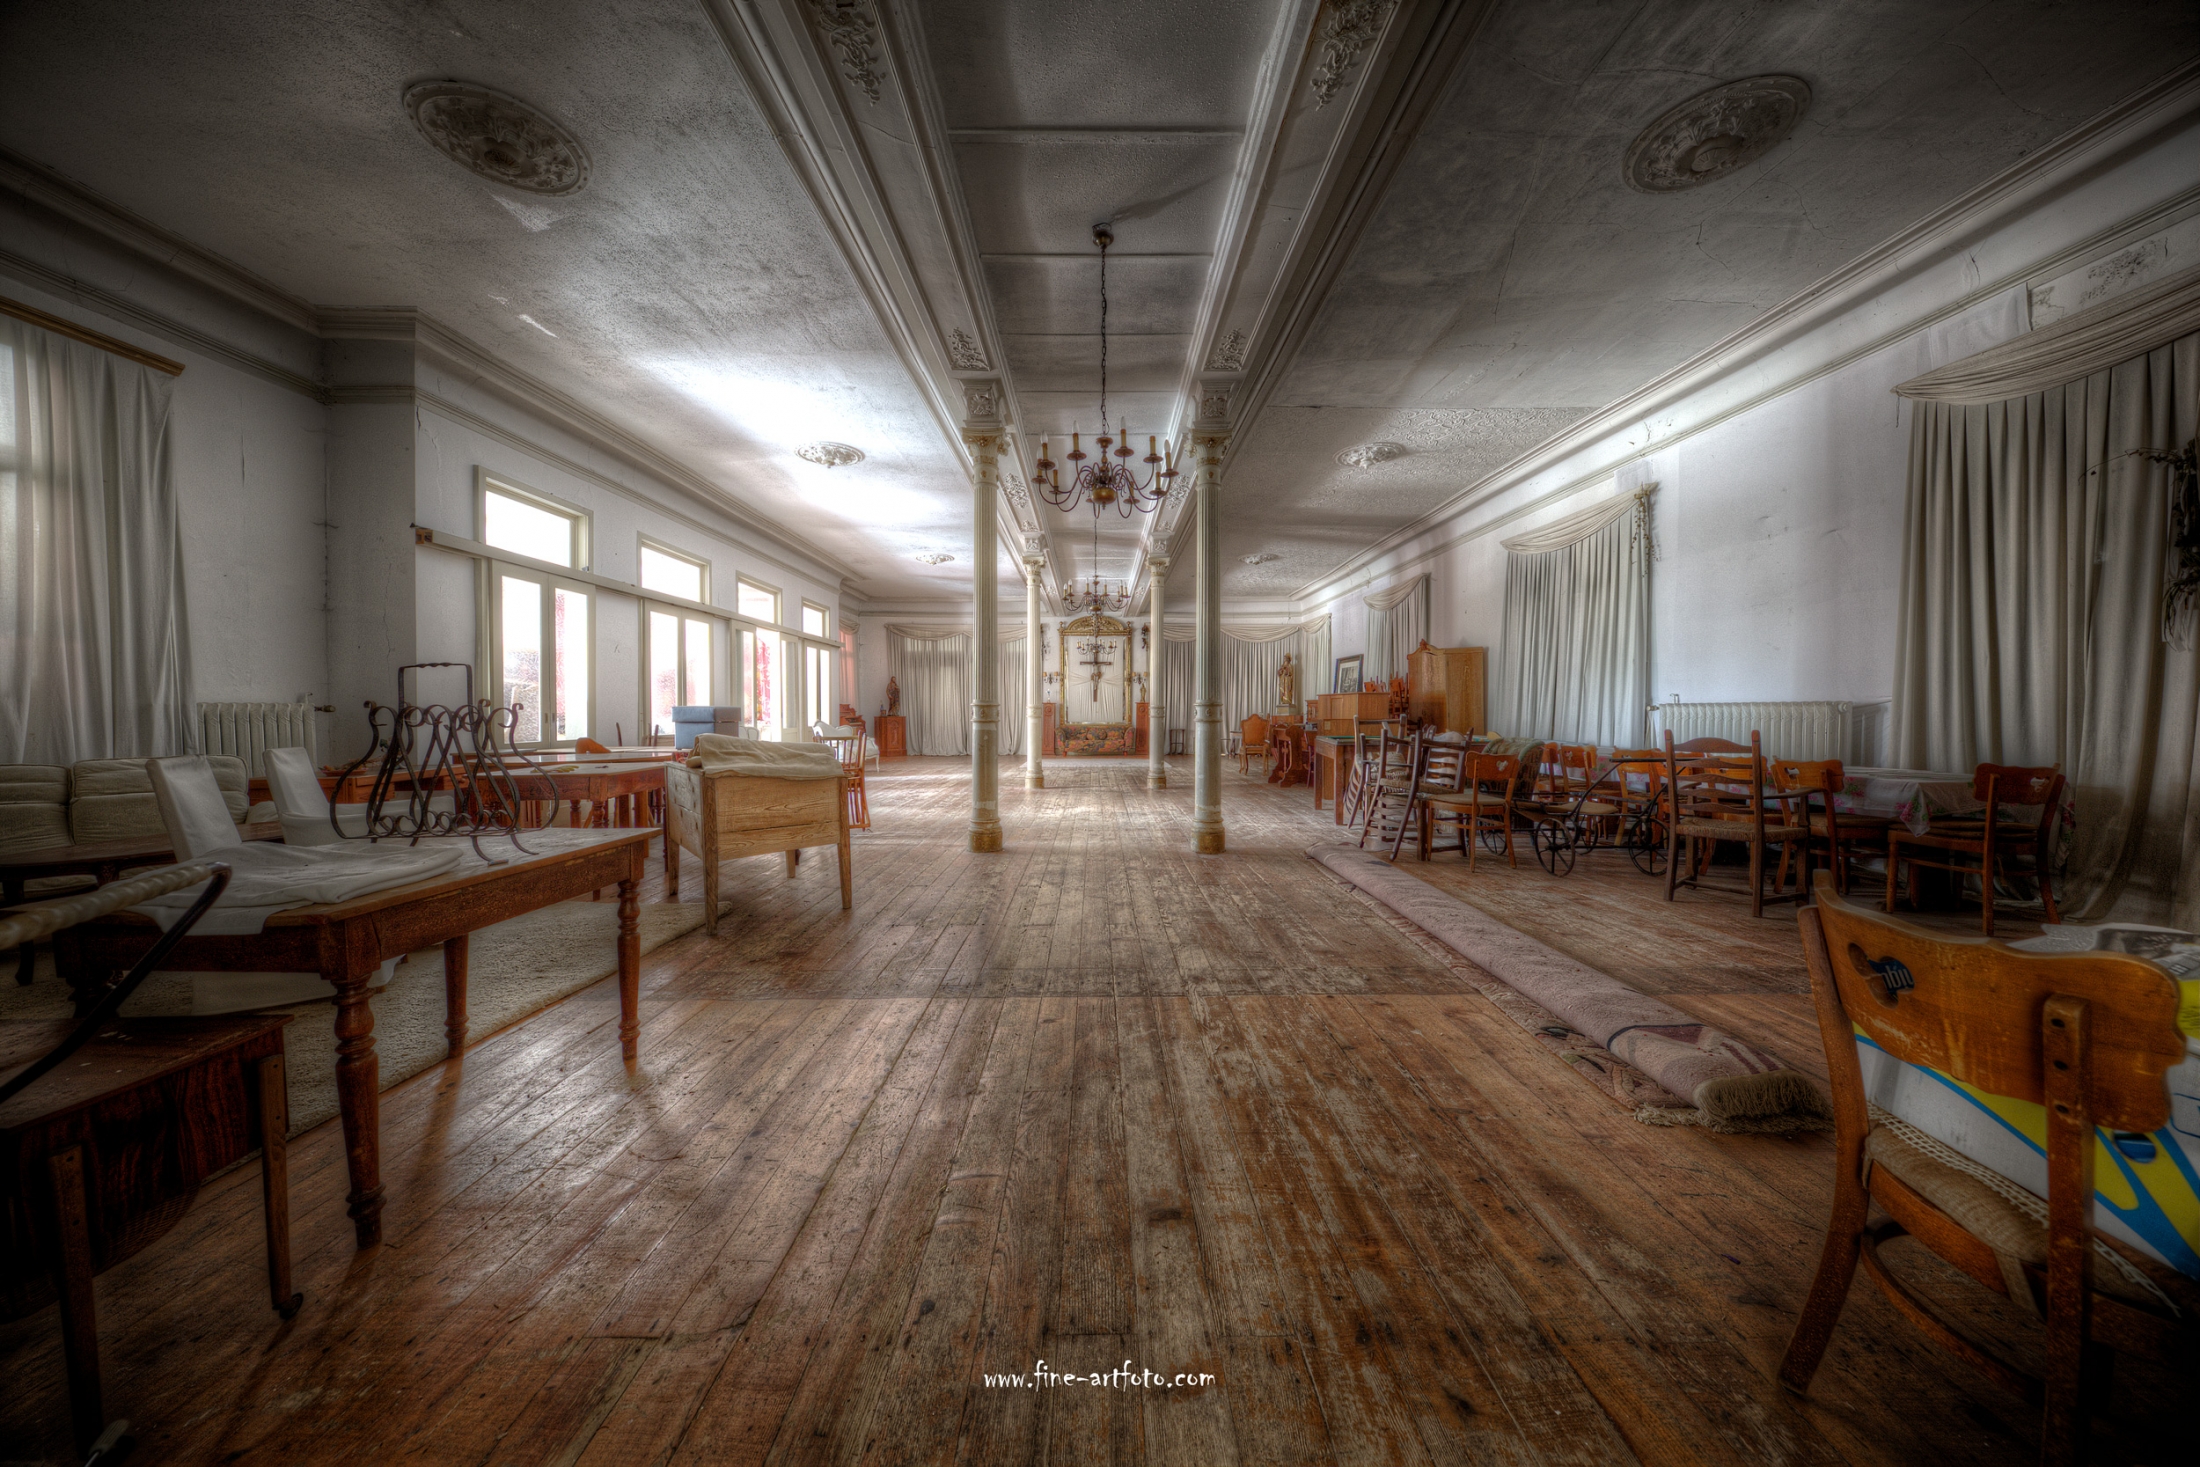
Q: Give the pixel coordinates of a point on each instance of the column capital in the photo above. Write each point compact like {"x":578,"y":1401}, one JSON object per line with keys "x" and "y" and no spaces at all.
{"x":1159,"y":563}
{"x":1213,"y":418}
{"x":982,"y":416}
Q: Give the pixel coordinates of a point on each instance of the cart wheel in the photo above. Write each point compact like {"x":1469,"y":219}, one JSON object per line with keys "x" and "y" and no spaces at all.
{"x":1493,"y":839}
{"x":1585,"y":835}
{"x":1553,"y":847}
{"x":1646,"y":844}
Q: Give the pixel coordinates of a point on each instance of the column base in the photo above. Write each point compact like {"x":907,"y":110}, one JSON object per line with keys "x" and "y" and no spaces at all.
{"x":1157,"y":781}
{"x":985,"y":838}
{"x":1207,"y":842}
{"x":1035,"y":781}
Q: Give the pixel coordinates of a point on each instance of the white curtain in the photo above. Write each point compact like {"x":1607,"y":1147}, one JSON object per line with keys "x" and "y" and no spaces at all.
{"x":1177,"y":684}
{"x":1574,"y":662}
{"x":1251,"y":655}
{"x":1397,"y":622}
{"x":2035,"y":557}
{"x":932,"y":665}
{"x":94,"y":645}
{"x":1015,"y":696}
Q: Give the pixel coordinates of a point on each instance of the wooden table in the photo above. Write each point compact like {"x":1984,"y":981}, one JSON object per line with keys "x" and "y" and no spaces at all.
{"x":102,"y":1156}
{"x":1332,"y":762}
{"x":625,"y":796}
{"x":347,"y":942}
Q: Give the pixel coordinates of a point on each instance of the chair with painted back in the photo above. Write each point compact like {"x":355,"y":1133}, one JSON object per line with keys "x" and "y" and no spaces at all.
{"x":1390,"y":797}
{"x":2086,"y":1036}
{"x":1252,"y":739}
{"x":1490,"y":786}
{"x":1723,"y":797}
{"x":1998,"y":846}
{"x":1833,"y":833}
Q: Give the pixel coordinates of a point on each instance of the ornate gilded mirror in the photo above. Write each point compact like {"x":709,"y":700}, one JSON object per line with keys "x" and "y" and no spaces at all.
{"x":1096,"y":671}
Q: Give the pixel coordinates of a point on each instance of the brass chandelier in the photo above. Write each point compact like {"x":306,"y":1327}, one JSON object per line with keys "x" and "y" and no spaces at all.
{"x":1105,"y":477}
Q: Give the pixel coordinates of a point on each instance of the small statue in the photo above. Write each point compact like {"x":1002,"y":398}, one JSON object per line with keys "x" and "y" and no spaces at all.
{"x":1287,"y":679}
{"x":893,"y":696}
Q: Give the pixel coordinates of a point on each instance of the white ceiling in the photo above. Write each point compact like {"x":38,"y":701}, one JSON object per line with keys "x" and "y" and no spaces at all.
{"x":766,"y":254}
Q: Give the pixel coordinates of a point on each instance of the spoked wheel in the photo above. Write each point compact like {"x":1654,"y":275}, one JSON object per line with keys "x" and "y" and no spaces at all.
{"x":1553,"y":846}
{"x":1646,"y":844}
{"x":1493,"y":839}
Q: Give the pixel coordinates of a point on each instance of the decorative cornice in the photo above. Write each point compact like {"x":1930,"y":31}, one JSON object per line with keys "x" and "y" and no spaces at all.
{"x":1346,"y":30}
{"x":849,"y":27}
{"x":964,"y":352}
{"x":2046,"y":169}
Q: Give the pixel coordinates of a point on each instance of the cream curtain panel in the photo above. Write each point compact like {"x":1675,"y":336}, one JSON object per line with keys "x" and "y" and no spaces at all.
{"x":1574,"y":659}
{"x":1174,"y":654}
{"x":932,"y":665}
{"x":1251,"y":655}
{"x":1397,"y":622}
{"x":1014,"y":699}
{"x":94,"y":643}
{"x":2033,"y":568}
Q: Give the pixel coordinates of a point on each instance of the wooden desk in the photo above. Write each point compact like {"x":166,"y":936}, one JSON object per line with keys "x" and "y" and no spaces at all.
{"x":103,"y":1155}
{"x":1332,"y":760}
{"x":347,"y":942}
{"x":625,"y":796}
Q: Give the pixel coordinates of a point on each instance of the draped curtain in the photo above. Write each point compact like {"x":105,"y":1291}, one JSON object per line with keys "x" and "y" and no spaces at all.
{"x":1015,"y":696}
{"x":2036,"y":552}
{"x":1177,"y":682}
{"x":1397,"y":622}
{"x":932,"y":665}
{"x":1574,"y":660}
{"x":1251,"y":656}
{"x":94,"y":643}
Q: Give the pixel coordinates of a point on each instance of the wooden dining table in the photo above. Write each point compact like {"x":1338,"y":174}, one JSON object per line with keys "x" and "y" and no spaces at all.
{"x":347,"y":943}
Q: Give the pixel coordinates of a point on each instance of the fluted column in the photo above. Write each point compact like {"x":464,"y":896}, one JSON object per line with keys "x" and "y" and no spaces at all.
{"x":982,"y":431}
{"x":1035,"y":770}
{"x":1157,"y":715}
{"x":1208,"y":443}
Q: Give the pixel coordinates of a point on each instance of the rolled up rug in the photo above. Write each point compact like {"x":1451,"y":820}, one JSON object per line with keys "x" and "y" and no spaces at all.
{"x":1734,"y":1086}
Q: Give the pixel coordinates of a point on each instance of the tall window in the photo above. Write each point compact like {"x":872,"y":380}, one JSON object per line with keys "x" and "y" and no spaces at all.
{"x":814,"y":620}
{"x":764,"y":673}
{"x":756,"y":602}
{"x":679,"y":663}
{"x":817,"y":685}
{"x":542,"y":624}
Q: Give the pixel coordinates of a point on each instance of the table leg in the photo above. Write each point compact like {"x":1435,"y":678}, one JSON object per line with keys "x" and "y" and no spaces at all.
{"x":274,"y":1109}
{"x":847,"y":876}
{"x":793,"y":858}
{"x":630,"y":965}
{"x":454,"y":994}
{"x":359,"y":1095}
{"x":72,"y":1265}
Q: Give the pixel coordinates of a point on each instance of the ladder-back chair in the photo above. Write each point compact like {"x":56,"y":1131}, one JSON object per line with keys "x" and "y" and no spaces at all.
{"x":1723,"y":796}
{"x":1390,"y":798}
{"x":1996,"y":847}
{"x":1441,"y":775}
{"x":2088,"y":1036}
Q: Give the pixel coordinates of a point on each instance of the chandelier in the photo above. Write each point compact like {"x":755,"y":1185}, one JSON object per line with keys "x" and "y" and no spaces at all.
{"x":1094,"y":479}
{"x":1096,"y":595}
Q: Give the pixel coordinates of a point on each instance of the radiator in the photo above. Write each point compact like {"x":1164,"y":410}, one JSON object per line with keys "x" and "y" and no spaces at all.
{"x":249,"y":730}
{"x":1788,"y":730}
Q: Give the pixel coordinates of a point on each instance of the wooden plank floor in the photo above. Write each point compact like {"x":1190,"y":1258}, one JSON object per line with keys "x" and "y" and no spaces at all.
{"x":1093,"y":1102}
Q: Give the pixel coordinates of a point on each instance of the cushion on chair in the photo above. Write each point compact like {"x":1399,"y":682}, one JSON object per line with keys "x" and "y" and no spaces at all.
{"x":34,"y":806}
{"x":192,"y":807}
{"x":112,"y":799}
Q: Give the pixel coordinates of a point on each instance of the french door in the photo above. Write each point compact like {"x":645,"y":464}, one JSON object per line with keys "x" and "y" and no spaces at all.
{"x":542,"y":629}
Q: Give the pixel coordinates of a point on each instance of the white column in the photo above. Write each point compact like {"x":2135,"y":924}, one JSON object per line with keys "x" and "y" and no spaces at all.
{"x":1207,"y":709}
{"x":1035,"y":770}
{"x":1157,"y":716}
{"x":982,"y":431}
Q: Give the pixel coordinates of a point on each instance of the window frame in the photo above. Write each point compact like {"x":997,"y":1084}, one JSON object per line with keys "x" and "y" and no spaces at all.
{"x":495,"y":573}
{"x":779,"y":600}
{"x":651,"y":542}
{"x":825,"y":632}
{"x":724,"y":636}
{"x":582,"y":520}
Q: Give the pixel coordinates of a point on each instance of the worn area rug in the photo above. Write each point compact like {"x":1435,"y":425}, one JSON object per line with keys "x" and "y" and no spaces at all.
{"x":1612,"y":1034}
{"x":514,"y":969}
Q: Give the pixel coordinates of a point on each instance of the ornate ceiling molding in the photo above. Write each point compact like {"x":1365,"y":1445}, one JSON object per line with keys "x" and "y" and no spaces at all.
{"x":850,"y":28}
{"x":1714,"y":133}
{"x":498,"y":136}
{"x":1349,"y":28}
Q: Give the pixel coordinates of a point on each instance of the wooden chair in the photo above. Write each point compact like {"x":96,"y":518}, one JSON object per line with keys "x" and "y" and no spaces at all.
{"x":1984,"y":836}
{"x":1488,"y":784}
{"x":1441,"y":776}
{"x":850,"y":749}
{"x":2088,"y":1036}
{"x":1367,"y":742}
{"x":1832,"y":832}
{"x":1720,"y":797}
{"x":1252,"y":738}
{"x":1390,"y":799}
{"x":1642,"y":816}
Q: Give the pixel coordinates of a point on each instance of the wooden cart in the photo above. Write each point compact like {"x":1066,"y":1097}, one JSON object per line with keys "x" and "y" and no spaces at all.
{"x":721,"y":816}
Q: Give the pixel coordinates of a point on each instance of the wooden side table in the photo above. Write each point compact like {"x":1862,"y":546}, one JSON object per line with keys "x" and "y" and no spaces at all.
{"x":893,"y":736}
{"x":104,"y":1155}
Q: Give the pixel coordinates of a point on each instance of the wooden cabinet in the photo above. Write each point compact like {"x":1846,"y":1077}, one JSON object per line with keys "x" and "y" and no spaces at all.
{"x":893,"y":736}
{"x":1050,"y":723}
{"x":1138,"y":738}
{"x":1336,"y":713}
{"x":1448,"y":688}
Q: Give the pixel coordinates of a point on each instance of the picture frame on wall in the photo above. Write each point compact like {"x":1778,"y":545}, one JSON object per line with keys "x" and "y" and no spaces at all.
{"x":1349,"y":671}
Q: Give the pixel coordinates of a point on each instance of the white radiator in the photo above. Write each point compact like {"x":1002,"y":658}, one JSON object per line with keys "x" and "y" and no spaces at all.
{"x":249,"y":730}
{"x":1788,"y":730}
